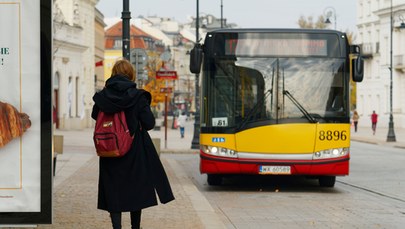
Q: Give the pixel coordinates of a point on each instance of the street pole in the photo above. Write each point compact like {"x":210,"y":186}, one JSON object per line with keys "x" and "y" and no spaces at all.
{"x":195,"y":143}
{"x":126,"y":16}
{"x":391,"y":133}
{"x":222,"y":17}
{"x":165,"y":118}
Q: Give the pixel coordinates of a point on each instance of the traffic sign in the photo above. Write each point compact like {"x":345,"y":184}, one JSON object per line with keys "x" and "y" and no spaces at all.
{"x":139,"y":59}
{"x":172,"y":75}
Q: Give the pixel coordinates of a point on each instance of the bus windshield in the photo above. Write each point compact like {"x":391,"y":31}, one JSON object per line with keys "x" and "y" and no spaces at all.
{"x":252,"y":91}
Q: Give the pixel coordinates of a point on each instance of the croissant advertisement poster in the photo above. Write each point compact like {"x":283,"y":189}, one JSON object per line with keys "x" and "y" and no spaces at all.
{"x":21,"y":110}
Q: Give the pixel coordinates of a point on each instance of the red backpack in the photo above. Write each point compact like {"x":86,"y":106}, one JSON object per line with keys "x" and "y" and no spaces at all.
{"x":111,"y":134}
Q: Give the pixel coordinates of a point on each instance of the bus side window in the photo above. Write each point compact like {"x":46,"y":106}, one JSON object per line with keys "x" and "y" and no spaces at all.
{"x":251,"y":92}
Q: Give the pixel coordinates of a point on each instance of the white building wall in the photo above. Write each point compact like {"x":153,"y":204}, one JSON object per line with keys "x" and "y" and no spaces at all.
{"x":68,"y":55}
{"x":74,"y":59}
{"x":87,"y":15}
{"x":373,"y":22}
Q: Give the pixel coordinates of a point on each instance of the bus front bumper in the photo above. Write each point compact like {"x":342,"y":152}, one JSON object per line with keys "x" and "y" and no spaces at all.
{"x":222,"y":165}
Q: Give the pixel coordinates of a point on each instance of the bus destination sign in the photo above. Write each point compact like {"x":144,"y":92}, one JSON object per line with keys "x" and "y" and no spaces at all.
{"x":276,"y":47}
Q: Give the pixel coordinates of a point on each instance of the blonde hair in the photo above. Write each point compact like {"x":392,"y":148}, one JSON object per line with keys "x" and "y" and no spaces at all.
{"x":125,"y":68}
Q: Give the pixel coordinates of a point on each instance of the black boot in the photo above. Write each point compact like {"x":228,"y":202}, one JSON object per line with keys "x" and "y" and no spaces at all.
{"x":116,"y":219}
{"x":136,"y":219}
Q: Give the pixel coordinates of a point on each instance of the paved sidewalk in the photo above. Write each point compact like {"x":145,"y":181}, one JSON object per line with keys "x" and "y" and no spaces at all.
{"x":76,"y":179}
{"x":171,"y":142}
{"x":365,"y":134}
{"x":75,"y":183}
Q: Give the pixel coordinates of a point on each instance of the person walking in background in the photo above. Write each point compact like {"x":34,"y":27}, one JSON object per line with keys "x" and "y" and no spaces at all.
{"x":374,"y":119}
{"x":130,"y":183}
{"x":181,"y":121}
{"x":355,"y":120}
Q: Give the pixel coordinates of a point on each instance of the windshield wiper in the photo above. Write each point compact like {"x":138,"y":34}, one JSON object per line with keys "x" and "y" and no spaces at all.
{"x":300,"y":107}
{"x":254,"y":109}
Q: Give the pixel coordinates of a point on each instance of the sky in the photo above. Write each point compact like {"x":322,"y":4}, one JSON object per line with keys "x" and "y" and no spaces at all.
{"x":244,"y":13}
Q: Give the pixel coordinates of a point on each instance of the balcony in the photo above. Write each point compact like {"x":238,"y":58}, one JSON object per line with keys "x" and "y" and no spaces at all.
{"x":399,"y":63}
{"x":367,"y":50}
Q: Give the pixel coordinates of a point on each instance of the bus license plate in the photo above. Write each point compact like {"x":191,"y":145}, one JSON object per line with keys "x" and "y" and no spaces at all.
{"x":264,"y":169}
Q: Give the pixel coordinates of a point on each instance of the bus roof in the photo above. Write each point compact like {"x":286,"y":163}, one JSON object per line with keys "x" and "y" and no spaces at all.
{"x":276,"y":30}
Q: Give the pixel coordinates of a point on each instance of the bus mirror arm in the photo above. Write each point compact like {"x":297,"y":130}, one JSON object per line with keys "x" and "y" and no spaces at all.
{"x":355,"y":49}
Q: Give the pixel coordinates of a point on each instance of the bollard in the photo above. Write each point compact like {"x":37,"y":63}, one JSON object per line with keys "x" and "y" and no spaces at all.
{"x":57,"y":149}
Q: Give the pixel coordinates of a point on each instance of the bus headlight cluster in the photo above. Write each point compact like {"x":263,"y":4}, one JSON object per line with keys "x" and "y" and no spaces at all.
{"x":218,"y":151}
{"x":331,"y":153}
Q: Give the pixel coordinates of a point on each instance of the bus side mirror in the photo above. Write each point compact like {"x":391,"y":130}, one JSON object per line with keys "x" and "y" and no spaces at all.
{"x":358,"y":69}
{"x":196,"y":55}
{"x":357,"y":64}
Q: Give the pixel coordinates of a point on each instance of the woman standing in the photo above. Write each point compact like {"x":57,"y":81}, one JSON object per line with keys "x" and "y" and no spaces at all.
{"x":355,"y":120}
{"x":128,"y":183}
{"x":182,"y":122}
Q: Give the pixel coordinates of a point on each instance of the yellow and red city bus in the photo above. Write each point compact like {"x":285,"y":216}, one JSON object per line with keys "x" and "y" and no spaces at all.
{"x":275,"y":101}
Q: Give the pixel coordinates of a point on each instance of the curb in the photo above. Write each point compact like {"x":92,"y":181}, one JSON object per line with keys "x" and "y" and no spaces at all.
{"x":179,"y":151}
{"x":379,"y":142}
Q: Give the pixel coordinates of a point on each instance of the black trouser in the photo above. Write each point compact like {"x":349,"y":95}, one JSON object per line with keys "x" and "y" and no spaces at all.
{"x":135,"y":219}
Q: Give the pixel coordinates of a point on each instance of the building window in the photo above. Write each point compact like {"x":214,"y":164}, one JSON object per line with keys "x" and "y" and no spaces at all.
{"x":118,"y":43}
{"x":368,"y":70}
{"x":77,"y":96}
{"x":70,"y":96}
{"x":387,"y":95}
{"x":377,"y":47}
{"x":56,"y":81}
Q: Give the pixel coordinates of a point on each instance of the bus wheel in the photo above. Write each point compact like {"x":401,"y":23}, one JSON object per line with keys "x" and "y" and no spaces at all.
{"x":327,"y":181}
{"x":214,"y":179}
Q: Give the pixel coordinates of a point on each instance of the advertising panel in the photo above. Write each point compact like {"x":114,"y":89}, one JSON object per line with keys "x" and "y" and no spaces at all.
{"x":25,"y":138}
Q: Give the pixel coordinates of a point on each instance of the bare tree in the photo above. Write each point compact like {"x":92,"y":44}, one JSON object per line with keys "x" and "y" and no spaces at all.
{"x":308,"y":22}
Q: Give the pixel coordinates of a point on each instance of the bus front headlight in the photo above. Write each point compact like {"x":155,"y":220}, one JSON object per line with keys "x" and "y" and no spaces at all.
{"x":331,"y":153}
{"x":219,"y":151}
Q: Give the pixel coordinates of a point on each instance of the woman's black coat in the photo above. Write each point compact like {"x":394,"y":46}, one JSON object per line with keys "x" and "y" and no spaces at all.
{"x":129,"y":183}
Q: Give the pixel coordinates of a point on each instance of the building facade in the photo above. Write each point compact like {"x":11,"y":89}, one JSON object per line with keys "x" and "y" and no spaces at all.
{"x":73,"y":63}
{"x":374,"y":26}
{"x":113,"y":44}
{"x":99,"y":50}
{"x":85,"y":51}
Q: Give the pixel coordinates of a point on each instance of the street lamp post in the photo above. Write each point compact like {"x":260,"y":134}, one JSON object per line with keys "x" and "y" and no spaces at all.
{"x":222,"y":16}
{"x":195,"y":144}
{"x":126,"y":16}
{"x":391,"y":133}
{"x":328,"y":12}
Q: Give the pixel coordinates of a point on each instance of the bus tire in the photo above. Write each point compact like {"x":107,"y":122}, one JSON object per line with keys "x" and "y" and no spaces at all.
{"x":327,"y":181}
{"x":214,"y":179}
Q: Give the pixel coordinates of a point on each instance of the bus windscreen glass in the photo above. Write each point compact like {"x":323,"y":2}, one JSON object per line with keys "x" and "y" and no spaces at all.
{"x":265,"y":78}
